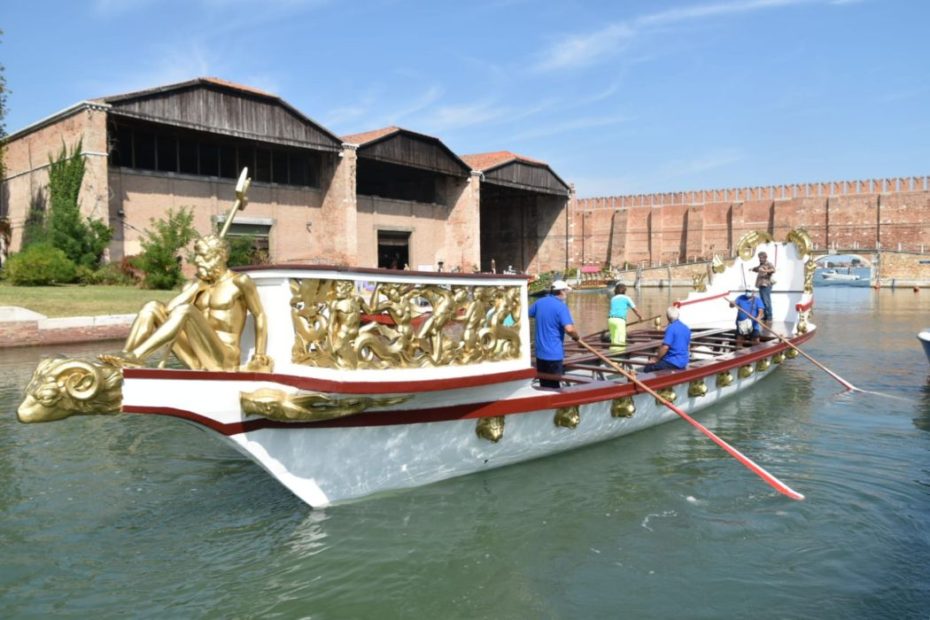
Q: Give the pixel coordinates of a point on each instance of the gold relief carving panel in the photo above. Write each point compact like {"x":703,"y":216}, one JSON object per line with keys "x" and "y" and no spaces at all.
{"x":310,"y":406}
{"x":356,"y":325}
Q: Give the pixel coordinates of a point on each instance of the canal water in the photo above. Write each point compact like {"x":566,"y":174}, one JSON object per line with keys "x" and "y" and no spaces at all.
{"x":148,"y":517}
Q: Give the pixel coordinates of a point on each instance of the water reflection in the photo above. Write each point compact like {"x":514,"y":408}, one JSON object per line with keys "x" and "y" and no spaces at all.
{"x":135,"y":515}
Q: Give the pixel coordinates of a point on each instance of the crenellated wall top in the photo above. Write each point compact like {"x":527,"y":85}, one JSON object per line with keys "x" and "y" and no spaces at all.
{"x":772,"y":192}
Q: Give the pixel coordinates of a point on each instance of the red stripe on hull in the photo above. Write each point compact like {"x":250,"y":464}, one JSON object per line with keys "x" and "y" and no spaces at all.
{"x":582,"y":394}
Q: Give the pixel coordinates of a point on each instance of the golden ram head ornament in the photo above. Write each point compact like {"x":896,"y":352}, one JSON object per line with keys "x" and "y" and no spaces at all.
{"x":61,"y":387}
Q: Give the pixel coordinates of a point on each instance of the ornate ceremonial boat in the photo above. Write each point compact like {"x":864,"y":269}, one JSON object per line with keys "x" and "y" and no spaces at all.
{"x":349,"y":382}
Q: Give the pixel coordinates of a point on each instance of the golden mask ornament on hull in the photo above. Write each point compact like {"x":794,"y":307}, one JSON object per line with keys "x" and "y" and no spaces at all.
{"x":697,"y":388}
{"x":310,"y":406}
{"x":778,"y":358}
{"x":567,"y":417}
{"x":745,"y":371}
{"x":791,"y":353}
{"x":668,"y":394}
{"x":724,"y":378}
{"x":762,"y":365}
{"x":623,"y":407}
{"x":491,"y":428}
{"x":339,"y":324}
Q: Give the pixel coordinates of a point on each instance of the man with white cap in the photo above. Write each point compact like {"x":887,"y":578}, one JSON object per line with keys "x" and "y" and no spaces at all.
{"x":748,"y":305}
{"x":553,"y":321}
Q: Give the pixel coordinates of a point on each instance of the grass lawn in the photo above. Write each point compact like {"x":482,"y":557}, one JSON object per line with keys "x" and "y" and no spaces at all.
{"x":74,"y":300}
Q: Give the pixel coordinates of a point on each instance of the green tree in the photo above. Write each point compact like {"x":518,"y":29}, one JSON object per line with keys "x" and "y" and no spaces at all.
{"x":160,"y":260}
{"x":83,"y":240}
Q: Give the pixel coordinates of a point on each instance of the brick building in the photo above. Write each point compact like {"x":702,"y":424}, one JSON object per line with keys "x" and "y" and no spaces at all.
{"x":388,"y":197}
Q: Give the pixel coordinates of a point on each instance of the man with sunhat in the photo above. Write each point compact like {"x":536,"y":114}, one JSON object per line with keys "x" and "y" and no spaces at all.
{"x":748,"y":305}
{"x":553,"y":321}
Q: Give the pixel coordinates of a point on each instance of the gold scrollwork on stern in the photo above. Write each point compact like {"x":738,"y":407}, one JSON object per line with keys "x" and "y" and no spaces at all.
{"x":745,"y":371}
{"x":697,"y":388}
{"x":762,"y":365}
{"x":668,"y":394}
{"x":61,"y":387}
{"x":778,"y":358}
{"x":356,"y":325}
{"x":717,"y":265}
{"x":567,"y":417}
{"x":746,"y":247}
{"x":491,"y":428}
{"x":802,"y":241}
{"x":310,"y":406}
{"x":724,"y":378}
{"x":623,"y":407}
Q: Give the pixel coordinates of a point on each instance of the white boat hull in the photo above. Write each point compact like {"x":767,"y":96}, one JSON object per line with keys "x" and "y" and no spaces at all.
{"x":322,"y":465}
{"x":924,"y":338}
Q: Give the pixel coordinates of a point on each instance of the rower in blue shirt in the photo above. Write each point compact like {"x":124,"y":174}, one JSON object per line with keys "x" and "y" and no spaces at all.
{"x":553,"y":321}
{"x":674,"y":352}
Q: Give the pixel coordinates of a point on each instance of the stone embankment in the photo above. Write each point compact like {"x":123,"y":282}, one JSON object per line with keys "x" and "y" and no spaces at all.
{"x":891,"y":270}
{"x":20,"y":327}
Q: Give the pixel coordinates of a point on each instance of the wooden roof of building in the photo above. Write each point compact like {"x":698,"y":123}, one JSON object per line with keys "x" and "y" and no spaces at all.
{"x":395,"y":145}
{"x":512,"y":170}
{"x":218,"y":106}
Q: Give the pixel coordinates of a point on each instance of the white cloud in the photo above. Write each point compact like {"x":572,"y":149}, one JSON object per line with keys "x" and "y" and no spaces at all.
{"x":587,"y":49}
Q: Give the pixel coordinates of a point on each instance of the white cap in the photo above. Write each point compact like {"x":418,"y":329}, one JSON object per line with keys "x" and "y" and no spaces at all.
{"x":561,"y":285}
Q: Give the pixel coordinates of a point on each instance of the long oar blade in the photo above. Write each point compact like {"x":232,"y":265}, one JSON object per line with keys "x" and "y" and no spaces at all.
{"x":755,"y":468}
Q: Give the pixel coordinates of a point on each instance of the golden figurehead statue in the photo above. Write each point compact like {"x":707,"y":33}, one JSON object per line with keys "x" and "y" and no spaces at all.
{"x":203,"y":325}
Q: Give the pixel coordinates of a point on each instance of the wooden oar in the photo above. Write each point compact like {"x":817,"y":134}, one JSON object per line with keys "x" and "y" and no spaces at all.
{"x":777,"y":484}
{"x":847,"y":384}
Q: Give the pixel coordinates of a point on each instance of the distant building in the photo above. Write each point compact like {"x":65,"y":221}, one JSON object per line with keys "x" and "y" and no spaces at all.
{"x":384,"y":198}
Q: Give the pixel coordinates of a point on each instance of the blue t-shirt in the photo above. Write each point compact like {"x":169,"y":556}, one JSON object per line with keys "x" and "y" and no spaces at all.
{"x":552,"y":315}
{"x":620,"y":305}
{"x":753,"y":305}
{"x":678,"y":339}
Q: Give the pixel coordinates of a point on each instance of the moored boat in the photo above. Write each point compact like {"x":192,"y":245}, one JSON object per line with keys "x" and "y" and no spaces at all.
{"x":350,"y":382}
{"x":924,"y":337}
{"x":832,"y":274}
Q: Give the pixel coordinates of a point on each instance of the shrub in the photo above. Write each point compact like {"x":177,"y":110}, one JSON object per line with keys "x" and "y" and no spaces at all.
{"x":40,"y":265}
{"x":160,"y":260}
{"x":115,"y":274}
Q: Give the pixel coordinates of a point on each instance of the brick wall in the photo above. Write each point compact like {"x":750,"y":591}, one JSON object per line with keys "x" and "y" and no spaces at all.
{"x":674,"y":227}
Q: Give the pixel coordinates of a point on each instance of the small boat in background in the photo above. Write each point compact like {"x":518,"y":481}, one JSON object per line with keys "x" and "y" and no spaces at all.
{"x":833,"y":274}
{"x":924,"y":337}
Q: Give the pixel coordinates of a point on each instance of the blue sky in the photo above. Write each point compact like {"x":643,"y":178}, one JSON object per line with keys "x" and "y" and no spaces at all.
{"x":618,"y":97}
